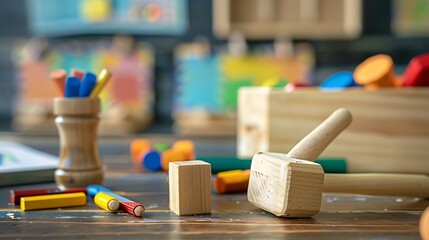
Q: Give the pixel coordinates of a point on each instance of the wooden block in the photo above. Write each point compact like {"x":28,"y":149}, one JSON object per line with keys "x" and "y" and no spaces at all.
{"x":389,"y":125}
{"x":190,"y":187}
{"x":284,"y":186}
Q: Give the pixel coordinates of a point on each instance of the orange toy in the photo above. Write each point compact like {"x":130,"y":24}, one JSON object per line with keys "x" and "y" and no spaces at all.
{"x":187,"y":147}
{"x":171,"y":155}
{"x":231,"y":181}
{"x":137,"y":148}
{"x":375,"y":72}
{"x":424,"y":225}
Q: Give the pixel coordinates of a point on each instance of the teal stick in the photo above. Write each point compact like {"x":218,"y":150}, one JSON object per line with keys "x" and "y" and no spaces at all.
{"x":222,"y":164}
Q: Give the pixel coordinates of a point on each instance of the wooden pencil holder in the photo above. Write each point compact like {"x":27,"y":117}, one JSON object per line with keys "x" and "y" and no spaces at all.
{"x":77,"y":123}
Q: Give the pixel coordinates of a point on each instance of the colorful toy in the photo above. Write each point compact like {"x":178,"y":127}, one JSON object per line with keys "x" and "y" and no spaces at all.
{"x":417,"y":72}
{"x":231,"y":181}
{"x":53,"y":201}
{"x":375,"y":72}
{"x":157,"y":156}
{"x":339,"y":81}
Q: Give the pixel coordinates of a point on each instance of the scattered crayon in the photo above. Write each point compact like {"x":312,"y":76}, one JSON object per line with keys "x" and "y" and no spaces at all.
{"x":231,"y":181}
{"x":103,"y":78}
{"x":128,"y":205}
{"x":59,"y":78}
{"x":87,"y":84}
{"x":222,"y":164}
{"x":53,"y":201}
{"x":106,"y":201}
{"x":77,"y":73}
{"x":333,"y":165}
{"x":93,"y":189}
{"x":16,"y":195}
{"x":125,"y":204}
{"x":72,"y":87}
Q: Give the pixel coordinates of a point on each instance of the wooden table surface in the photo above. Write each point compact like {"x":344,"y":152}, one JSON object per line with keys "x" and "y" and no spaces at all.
{"x":232,"y":217}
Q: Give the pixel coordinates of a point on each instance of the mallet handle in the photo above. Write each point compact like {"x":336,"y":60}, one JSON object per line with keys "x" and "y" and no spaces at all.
{"x":310,"y":147}
{"x":380,"y":184}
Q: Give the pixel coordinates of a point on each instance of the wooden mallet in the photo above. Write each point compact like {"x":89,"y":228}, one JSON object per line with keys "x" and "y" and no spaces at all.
{"x":286,"y":185}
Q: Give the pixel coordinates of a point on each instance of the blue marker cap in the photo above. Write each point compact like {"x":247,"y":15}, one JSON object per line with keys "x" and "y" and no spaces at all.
{"x":152,"y":161}
{"x":72,"y":87}
{"x":88,"y":83}
{"x":93,"y":189}
{"x":339,"y":80}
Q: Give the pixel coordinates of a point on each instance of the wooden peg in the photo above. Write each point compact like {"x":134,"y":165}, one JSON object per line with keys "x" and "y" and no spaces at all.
{"x":375,"y":72}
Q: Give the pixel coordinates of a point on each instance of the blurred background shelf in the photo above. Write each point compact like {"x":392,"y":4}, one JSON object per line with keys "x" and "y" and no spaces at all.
{"x":143,"y":17}
{"x":267,"y":19}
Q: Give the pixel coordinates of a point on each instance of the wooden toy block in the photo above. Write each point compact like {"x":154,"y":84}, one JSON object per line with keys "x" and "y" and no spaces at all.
{"x":389,"y":125}
{"x":190,"y":187}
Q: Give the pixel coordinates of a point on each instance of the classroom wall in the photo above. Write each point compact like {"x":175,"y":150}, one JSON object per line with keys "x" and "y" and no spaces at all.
{"x":331,"y":55}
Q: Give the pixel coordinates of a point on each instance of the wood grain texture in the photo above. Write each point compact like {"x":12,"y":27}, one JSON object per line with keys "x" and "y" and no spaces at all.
{"x":77,"y":122}
{"x":383,"y":184}
{"x":389,"y":132}
{"x":190,"y":187}
{"x":342,"y":216}
{"x":284,"y":186}
{"x":313,"y":144}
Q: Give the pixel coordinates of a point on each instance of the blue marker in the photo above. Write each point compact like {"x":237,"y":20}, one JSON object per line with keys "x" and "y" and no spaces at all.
{"x":93,"y":189}
{"x":72,"y":87}
{"x":88,"y":83}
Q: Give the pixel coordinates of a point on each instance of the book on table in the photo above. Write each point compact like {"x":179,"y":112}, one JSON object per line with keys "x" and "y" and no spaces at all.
{"x":21,"y":164}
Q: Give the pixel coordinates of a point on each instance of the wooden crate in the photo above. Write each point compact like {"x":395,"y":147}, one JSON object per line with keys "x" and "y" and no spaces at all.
{"x":389,"y":132}
{"x":296,"y":19}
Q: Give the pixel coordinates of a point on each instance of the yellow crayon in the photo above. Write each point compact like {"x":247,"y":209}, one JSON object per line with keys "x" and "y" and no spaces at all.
{"x":53,"y":201}
{"x":106,"y":202}
{"x":103,"y":78}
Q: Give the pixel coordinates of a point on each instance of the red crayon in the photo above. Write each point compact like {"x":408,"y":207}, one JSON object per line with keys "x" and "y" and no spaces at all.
{"x":128,"y":205}
{"x":16,"y":195}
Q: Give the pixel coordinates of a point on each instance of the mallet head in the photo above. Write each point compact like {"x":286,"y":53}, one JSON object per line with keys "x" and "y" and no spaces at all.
{"x":285,"y":186}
